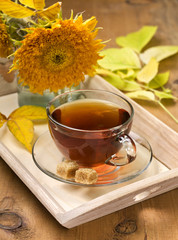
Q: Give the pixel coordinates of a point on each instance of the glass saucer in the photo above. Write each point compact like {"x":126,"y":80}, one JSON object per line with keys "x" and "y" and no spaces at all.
{"x":46,"y":157}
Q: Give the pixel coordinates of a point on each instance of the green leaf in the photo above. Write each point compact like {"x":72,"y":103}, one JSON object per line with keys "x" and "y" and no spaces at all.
{"x":118,"y":82}
{"x":159,"y":81}
{"x":119,"y":59}
{"x":159,"y":53}
{"x":163,"y":95}
{"x":121,"y":84}
{"x":167,"y":90}
{"x":137,"y":40}
{"x":131,"y":86}
{"x":142,"y":95}
{"x":149,"y":71}
{"x":126,"y":73}
{"x":115,"y":80}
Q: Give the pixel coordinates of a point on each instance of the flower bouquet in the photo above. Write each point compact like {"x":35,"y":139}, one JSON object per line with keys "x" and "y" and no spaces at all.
{"x":49,"y":52}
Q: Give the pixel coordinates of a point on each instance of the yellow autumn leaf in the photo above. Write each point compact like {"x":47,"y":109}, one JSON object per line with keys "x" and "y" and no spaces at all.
{"x":3,"y":119}
{"x":149,"y":71}
{"x":15,"y":10}
{"x":35,"y":4}
{"x":22,"y":129}
{"x":29,"y":112}
{"x":51,"y":12}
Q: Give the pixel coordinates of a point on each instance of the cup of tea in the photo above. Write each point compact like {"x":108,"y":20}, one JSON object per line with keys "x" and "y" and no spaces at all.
{"x":92,"y":127}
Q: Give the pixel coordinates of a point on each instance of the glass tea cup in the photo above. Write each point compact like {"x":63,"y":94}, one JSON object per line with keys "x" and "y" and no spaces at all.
{"x":91,"y":127}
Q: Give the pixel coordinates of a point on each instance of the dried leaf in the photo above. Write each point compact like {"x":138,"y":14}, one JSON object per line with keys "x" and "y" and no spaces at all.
{"x":3,"y":119}
{"x":51,"y":12}
{"x":137,"y":40}
{"x":159,"y":53}
{"x":30,"y":112}
{"x":142,"y":95}
{"x":159,"y":81}
{"x":149,"y":71}
{"x":15,"y":10}
{"x":35,"y":4}
{"x":119,"y":59}
{"x":22,"y":129}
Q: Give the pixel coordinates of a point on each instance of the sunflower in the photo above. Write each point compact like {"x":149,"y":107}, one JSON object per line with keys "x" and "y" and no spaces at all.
{"x":58,"y":57}
{"x":5,"y":43}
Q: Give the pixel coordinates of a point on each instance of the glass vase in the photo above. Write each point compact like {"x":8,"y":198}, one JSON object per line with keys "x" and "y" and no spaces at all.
{"x":25,"y":97}
{"x":7,"y":80}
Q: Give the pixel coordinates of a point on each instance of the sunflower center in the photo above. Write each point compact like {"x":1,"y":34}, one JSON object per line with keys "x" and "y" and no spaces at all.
{"x":58,"y":58}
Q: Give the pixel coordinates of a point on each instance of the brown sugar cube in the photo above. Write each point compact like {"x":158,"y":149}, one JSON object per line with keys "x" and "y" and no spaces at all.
{"x":67,"y":169}
{"x":86,"y":176}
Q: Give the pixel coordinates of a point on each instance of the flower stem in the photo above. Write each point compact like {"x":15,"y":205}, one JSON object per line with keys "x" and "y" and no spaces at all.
{"x":170,"y":114}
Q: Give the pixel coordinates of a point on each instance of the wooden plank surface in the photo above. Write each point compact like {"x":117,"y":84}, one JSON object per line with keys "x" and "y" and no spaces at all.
{"x":154,"y":219}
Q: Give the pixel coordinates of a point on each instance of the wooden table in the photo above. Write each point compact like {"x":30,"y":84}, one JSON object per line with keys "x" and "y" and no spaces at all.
{"x":154,"y":219}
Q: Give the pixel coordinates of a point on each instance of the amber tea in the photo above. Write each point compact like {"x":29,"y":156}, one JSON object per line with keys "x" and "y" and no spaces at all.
{"x":90,"y":114}
{"x":91,"y":127}
{"x":87,"y":147}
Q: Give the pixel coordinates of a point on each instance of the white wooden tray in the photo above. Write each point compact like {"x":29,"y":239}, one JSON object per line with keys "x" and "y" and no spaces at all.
{"x":74,"y":205}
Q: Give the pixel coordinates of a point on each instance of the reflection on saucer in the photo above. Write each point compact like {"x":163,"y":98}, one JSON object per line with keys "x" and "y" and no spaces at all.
{"x":46,"y":156}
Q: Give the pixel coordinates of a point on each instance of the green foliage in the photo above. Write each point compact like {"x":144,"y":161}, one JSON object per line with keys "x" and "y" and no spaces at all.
{"x":119,"y":59}
{"x":159,"y":53}
{"x":137,"y":40}
{"x":142,"y":95}
{"x":135,"y":73}
{"x":159,"y":81}
{"x":148,"y":72}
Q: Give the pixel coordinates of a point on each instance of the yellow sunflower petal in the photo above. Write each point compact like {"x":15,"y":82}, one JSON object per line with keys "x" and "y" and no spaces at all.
{"x":51,"y":12}
{"x":94,"y":33}
{"x":61,"y":56}
{"x":79,"y":19}
{"x":90,"y":23}
{"x":14,"y":10}
{"x":5,"y":43}
{"x":35,"y":4}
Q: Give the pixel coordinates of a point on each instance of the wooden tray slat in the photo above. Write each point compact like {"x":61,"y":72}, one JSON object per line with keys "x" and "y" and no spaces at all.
{"x":126,"y":196}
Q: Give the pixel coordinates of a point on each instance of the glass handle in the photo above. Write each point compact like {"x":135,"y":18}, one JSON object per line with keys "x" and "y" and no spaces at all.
{"x":126,"y":154}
